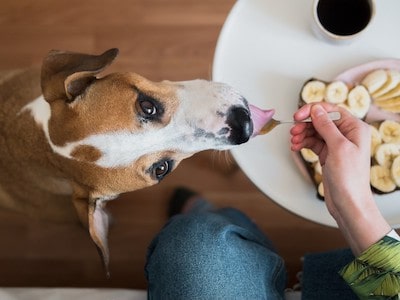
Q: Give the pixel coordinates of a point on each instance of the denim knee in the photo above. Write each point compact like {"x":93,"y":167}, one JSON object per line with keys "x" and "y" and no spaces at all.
{"x":206,"y":256}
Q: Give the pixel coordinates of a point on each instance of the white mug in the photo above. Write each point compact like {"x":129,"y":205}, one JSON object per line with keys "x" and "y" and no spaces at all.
{"x":342,"y":21}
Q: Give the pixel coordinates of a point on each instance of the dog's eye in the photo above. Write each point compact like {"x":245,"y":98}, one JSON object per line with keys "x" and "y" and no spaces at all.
{"x":161,"y":169}
{"x":148,"y":107}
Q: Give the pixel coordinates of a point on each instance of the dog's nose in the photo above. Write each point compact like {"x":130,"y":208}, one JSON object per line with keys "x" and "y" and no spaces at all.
{"x":239,"y":121}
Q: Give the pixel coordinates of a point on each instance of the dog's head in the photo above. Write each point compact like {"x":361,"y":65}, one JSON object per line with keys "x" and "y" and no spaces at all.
{"x":122,"y":132}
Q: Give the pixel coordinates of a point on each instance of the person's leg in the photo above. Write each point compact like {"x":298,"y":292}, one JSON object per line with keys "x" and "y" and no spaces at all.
{"x":206,"y":254}
{"x":320,"y":276}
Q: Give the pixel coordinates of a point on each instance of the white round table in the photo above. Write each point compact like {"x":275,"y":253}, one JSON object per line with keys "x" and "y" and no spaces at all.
{"x":267,"y":50}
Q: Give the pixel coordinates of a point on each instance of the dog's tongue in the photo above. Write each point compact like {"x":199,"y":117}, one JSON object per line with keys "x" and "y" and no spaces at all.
{"x":260,"y":117}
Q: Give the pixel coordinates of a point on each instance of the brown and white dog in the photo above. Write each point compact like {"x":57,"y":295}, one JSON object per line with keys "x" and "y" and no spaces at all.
{"x":66,"y":134}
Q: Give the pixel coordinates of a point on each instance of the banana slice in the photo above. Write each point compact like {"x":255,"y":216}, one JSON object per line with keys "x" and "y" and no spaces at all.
{"x":336,"y":92}
{"x":374,"y":80}
{"x":313,"y":91}
{"x":381,"y":179}
{"x":317,"y":172}
{"x":392,"y":108}
{"x":309,"y":155}
{"x":393,"y":79}
{"x":389,"y":104}
{"x":376,"y":139}
{"x":386,"y":153}
{"x":321,"y":191}
{"x":318,"y":168}
{"x":390,"y":131}
{"x":395,"y":171}
{"x":359,"y":101}
{"x":395,"y":92}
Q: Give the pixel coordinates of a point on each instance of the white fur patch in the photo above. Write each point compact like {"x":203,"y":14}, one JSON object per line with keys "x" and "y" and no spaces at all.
{"x":40,"y":111}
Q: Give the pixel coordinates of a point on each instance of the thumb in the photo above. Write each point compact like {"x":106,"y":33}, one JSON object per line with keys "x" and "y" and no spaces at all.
{"x":324,"y":125}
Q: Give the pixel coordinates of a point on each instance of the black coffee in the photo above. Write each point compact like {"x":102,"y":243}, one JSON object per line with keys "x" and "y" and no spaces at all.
{"x":344,"y":17}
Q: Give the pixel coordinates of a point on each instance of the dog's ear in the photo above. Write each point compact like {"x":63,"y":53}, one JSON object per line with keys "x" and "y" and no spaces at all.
{"x":94,"y":216}
{"x":98,"y":229}
{"x":66,"y":75}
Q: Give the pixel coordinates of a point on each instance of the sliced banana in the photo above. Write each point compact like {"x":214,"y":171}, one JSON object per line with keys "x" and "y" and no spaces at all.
{"x":388,"y":103}
{"x":313,"y":91}
{"x":321,"y":190}
{"x":376,"y":139}
{"x":386,"y":153}
{"x":374,"y":80}
{"x":317,"y":172}
{"x":395,"y":92}
{"x":393,"y":79}
{"x":309,"y":155}
{"x":359,"y":101}
{"x":395,"y":171}
{"x":390,"y":131}
{"x":318,"y":168}
{"x":336,"y":92}
{"x":392,"y":108}
{"x":381,"y":179}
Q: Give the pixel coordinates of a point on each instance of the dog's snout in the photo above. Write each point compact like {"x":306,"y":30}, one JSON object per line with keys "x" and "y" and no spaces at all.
{"x":239,"y":121}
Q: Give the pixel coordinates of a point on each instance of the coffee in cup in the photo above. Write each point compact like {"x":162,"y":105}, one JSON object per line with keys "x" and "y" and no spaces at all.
{"x":341,"y":21}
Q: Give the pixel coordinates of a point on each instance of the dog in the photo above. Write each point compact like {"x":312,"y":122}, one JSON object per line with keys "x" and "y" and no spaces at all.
{"x":68,"y":134}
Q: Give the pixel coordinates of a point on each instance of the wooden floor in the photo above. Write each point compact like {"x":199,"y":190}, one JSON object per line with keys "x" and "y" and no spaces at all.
{"x":159,"y":39}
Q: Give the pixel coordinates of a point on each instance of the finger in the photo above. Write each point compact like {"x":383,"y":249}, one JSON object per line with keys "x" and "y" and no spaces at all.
{"x":298,"y":138}
{"x":300,"y":133}
{"x":305,"y":111}
{"x":303,"y":129}
{"x":302,"y":113}
{"x":299,"y":128}
{"x":326,"y":128}
{"x":314,"y":143}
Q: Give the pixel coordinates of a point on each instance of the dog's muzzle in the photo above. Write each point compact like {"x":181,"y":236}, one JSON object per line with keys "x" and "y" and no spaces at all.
{"x":239,"y":120}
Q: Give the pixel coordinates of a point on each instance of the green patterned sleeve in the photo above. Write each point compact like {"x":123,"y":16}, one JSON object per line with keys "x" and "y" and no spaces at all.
{"x":375,"y":274}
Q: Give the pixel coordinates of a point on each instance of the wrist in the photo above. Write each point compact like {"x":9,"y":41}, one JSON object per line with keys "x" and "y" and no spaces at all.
{"x":364,"y":224}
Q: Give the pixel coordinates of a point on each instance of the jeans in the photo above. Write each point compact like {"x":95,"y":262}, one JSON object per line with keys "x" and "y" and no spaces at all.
{"x":221,"y":254}
{"x":213,"y":255}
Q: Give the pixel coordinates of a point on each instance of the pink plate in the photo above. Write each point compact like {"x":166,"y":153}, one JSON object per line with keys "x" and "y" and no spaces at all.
{"x":355,"y":75}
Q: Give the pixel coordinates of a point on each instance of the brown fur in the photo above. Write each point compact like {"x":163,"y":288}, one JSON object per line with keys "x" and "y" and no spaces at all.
{"x":46,"y":195}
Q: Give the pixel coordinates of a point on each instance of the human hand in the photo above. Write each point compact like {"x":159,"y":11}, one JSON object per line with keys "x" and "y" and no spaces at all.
{"x":343,"y":148}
